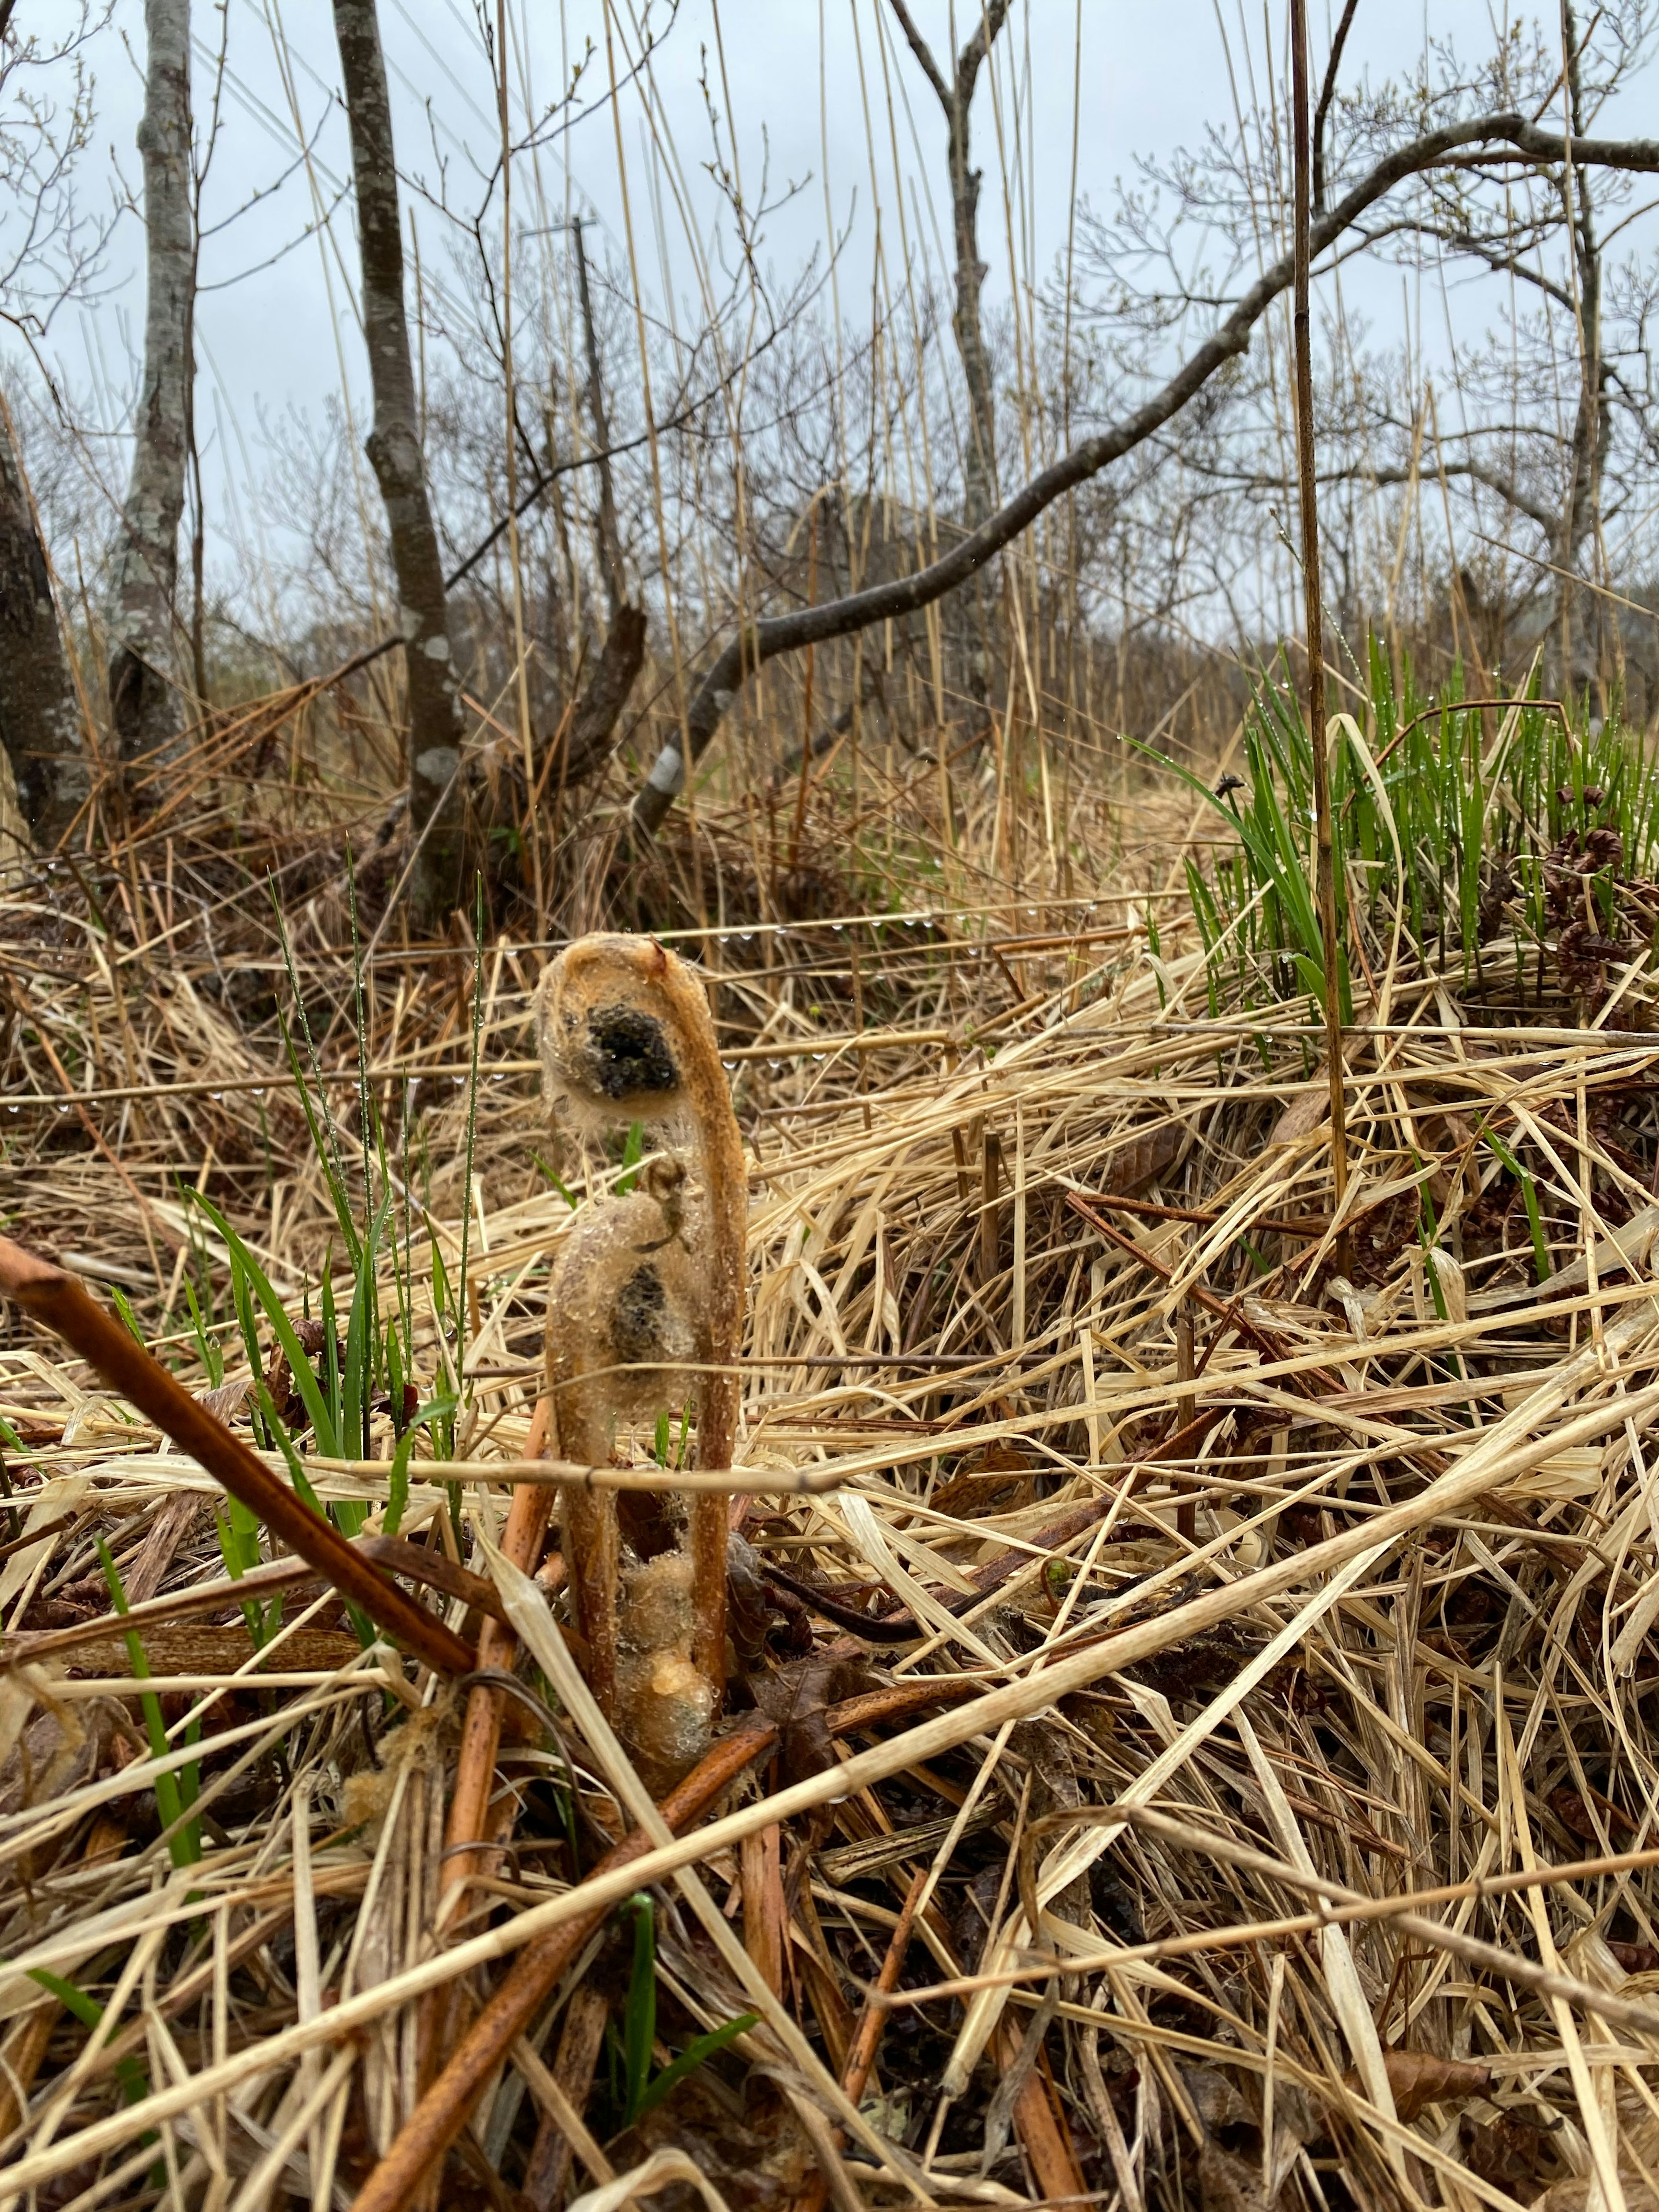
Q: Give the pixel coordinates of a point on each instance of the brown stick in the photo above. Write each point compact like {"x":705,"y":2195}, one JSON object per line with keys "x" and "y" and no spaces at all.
{"x":765,"y":1920}
{"x":442,"y":2112}
{"x":469,"y":1849}
{"x":498,"y":1646}
{"x":1043,"y":2134}
{"x":390,"y":1551}
{"x":862,"y":2056}
{"x":1301,"y":1225}
{"x":57,"y":1301}
{"x":1325,"y":873}
{"x":896,"y":1703}
{"x":581,"y":2041}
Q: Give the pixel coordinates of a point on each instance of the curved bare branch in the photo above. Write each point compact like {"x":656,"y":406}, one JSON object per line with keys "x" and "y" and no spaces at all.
{"x":1515,"y":137}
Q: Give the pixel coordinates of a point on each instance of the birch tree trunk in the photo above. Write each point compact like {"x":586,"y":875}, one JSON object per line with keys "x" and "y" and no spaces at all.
{"x":143,"y":686}
{"x":435,"y":809}
{"x":39,"y":719}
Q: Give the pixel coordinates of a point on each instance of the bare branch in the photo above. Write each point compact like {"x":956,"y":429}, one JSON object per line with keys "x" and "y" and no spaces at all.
{"x":1515,"y":137}
{"x":991,"y":19}
{"x":1327,"y":91}
{"x":923,"y":53}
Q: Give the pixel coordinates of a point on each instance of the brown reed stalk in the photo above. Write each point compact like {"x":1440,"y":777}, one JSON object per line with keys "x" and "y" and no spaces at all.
{"x":867,"y":2036}
{"x":1325,"y":870}
{"x":57,"y":1300}
{"x":481,"y":1728}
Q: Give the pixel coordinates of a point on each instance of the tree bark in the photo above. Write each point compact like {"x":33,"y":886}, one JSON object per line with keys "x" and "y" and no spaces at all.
{"x":1510,"y":137}
{"x":143,"y":686}
{"x":1582,"y":508}
{"x":956,"y":98}
{"x":587,"y":744}
{"x":616,"y":587}
{"x":435,"y":808}
{"x":39,"y":719}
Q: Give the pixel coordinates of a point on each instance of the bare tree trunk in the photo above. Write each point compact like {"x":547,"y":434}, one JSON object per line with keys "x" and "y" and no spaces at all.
{"x":1582,"y":508}
{"x":143,"y":696}
{"x":39,"y":719}
{"x":979,"y":466}
{"x":980,"y":462}
{"x":616,"y":591}
{"x":436,"y":811}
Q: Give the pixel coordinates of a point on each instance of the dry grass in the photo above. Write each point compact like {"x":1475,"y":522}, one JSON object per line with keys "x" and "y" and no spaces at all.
{"x":1375,"y":1625}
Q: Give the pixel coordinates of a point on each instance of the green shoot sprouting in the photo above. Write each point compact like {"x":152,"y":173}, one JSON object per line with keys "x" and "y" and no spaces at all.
{"x":640,"y":2012}
{"x":239,"y":1547}
{"x":633,"y":1153}
{"x":175,"y":1793}
{"x":123,"y":1305}
{"x":1506,"y":1159}
{"x":130,"y":2072}
{"x":641,"y":2090}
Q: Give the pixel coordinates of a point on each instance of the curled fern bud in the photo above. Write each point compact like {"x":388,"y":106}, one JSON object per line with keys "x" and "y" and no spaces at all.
{"x":648,"y":1281}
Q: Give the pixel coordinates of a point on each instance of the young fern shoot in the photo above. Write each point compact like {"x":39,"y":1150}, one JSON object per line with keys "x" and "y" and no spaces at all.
{"x":649,"y":1283}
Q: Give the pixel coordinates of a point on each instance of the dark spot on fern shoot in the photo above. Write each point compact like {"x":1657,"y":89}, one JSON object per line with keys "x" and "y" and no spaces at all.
{"x":629,"y":1054}
{"x":637,"y":1320}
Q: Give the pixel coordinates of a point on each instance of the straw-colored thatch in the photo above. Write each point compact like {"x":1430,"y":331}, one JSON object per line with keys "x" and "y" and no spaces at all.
{"x":1255,"y":1804}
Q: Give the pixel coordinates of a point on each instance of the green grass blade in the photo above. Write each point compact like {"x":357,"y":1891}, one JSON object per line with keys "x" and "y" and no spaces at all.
{"x":696,"y":2054}
{"x":174,"y":1793}
{"x":130,"y":2072}
{"x":640,"y":2012}
{"x":300,"y":1368}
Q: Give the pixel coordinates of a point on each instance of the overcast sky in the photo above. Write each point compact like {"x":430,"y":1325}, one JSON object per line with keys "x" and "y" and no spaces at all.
{"x":802,"y":78}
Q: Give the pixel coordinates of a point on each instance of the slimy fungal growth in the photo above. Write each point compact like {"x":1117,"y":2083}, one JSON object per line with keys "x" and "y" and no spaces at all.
{"x":645,"y":1309}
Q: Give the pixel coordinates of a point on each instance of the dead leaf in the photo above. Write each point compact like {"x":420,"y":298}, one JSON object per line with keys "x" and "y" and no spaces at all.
{"x":1132,"y":1166}
{"x":1304,"y":1114}
{"x":62,"y":1747}
{"x":1227,"y":2184}
{"x":797,"y":1698}
{"x":1574,"y":1813}
{"x":1418,"y":2078}
{"x":1514,"y":2148}
{"x":1215,"y":2099}
{"x":227,"y":1401}
{"x":1001,"y":1476}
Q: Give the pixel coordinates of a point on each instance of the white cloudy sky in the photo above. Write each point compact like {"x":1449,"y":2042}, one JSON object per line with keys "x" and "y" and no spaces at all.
{"x":1150,"y":78}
